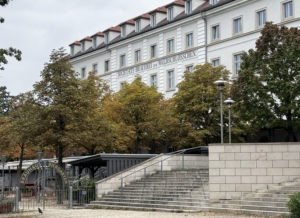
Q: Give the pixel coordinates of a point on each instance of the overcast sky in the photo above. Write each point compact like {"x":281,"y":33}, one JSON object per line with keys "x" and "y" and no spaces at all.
{"x":36,"y":27}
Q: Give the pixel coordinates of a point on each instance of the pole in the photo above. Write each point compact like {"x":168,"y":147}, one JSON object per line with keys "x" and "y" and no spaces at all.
{"x":3,"y":182}
{"x":221,"y":116}
{"x":17,"y":200}
{"x":38,"y":186}
{"x":71,"y":196}
{"x":229,"y":126}
{"x":161,"y":170}
{"x":9,"y":176}
{"x":183,"y":160}
{"x":44,"y":184}
{"x":122,"y":187}
{"x":144,"y":177}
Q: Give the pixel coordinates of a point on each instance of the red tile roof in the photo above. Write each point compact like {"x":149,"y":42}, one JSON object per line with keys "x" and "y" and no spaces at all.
{"x":144,"y":16}
{"x":115,"y":29}
{"x":161,"y":9}
{"x":86,"y":39}
{"x":128,"y":22}
{"x":98,"y":34}
{"x":75,"y":43}
{"x":177,"y":2}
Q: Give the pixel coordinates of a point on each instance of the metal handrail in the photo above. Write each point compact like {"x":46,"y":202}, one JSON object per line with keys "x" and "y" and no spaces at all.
{"x":180,"y":152}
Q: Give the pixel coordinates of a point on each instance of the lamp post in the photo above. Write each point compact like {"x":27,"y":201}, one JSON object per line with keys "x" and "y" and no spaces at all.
{"x":229,"y":103}
{"x":3,"y":159}
{"x":221,"y":83}
{"x":39,"y":157}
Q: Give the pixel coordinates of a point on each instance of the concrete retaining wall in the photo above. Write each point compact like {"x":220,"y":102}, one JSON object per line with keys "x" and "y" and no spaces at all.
{"x":175,"y":163}
{"x":238,"y":168}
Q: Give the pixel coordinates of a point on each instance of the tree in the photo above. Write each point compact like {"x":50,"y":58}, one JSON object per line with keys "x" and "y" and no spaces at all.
{"x":10,"y":51}
{"x":197,"y":103}
{"x":6,"y":101}
{"x":16,"y":135}
{"x":268,"y":87}
{"x":132,"y":107}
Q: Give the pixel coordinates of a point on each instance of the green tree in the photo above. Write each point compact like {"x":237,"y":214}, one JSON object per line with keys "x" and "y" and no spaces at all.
{"x":6,"y":101}
{"x":197,"y":103}
{"x":12,"y":52}
{"x":268,"y":87}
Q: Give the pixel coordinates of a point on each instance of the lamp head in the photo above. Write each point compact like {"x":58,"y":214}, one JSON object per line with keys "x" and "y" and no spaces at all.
{"x":229,"y":102}
{"x":221,"y":83}
{"x":3,"y":158}
{"x":39,"y":155}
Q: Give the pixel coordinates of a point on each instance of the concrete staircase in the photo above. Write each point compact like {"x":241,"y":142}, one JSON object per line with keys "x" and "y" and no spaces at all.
{"x":269,"y":202}
{"x":185,"y":190}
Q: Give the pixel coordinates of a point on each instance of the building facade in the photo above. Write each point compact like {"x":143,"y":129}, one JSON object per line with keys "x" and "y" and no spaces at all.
{"x":161,"y":44}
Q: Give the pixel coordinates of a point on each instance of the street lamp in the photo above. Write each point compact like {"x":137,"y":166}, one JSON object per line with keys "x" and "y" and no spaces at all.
{"x":39,"y":157}
{"x":229,"y":103}
{"x":221,"y":83}
{"x":3,"y":159}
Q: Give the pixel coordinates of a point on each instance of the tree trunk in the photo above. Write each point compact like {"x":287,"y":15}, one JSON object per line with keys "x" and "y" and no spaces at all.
{"x":20,"y":168}
{"x":138,"y":140}
{"x":58,"y":177}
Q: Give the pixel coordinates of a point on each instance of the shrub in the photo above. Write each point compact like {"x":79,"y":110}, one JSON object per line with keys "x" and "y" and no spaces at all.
{"x":294,"y":205}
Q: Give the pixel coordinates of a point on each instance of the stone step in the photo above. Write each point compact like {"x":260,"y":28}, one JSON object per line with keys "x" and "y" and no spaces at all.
{"x":267,"y":199}
{"x":252,"y":207}
{"x":247,"y":212}
{"x":170,"y":205}
{"x":265,"y":195}
{"x":177,"y":176}
{"x":160,"y":187}
{"x":162,"y":192}
{"x":260,"y":203}
{"x":170,"y":198}
{"x":137,"y":195}
{"x":281,"y":191}
{"x":144,"y":201}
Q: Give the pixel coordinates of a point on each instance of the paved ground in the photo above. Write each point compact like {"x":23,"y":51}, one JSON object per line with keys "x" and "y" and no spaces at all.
{"x":57,"y":213}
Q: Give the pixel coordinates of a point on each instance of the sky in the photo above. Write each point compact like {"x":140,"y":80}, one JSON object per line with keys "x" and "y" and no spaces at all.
{"x":36,"y":27}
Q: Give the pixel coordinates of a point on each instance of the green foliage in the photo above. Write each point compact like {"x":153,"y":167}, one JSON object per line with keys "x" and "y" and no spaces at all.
{"x":12,"y":52}
{"x":294,"y":205}
{"x":267,"y":89}
{"x":26,"y":190}
{"x":6,"y":101}
{"x":197,"y":103}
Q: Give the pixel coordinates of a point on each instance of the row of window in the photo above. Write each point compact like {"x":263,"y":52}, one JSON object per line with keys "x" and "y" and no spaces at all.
{"x":260,"y":20}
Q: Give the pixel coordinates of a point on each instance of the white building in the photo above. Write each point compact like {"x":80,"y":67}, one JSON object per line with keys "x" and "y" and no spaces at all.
{"x":161,"y":44}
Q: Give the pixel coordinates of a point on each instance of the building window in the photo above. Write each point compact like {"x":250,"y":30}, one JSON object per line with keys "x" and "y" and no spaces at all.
{"x":288,"y":9}
{"x":106,"y":66}
{"x":190,"y":68}
{"x":261,"y":18}
{"x":122,"y":85}
{"x":137,"y":56}
{"x":237,"y":63}
{"x":216,"y":62}
{"x":138,"y":26}
{"x":170,"y":14}
{"x":106,"y":38}
{"x":154,"y":80}
{"x":123,"y":30}
{"x":214,"y":2}
{"x":122,"y":61}
{"x":153,"y":51}
{"x":83,"y":47}
{"x":153,"y":20}
{"x":189,"y":7}
{"x":83,"y":73}
{"x":72,"y":51}
{"x":216,"y":32}
{"x":95,"y":67}
{"x":94,"y":42}
{"x":171,"y":82}
{"x":170,"y":46}
{"x":237,"y":25}
{"x":189,"y":40}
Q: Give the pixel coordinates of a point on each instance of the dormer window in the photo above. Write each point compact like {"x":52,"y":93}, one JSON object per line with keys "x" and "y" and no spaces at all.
{"x":213,"y":2}
{"x":170,"y":14}
{"x":83,"y":47}
{"x":106,"y":38}
{"x":138,"y":26}
{"x":189,"y":7}
{"x":123,"y":31}
{"x":153,"y":20}
{"x":72,"y":51}
{"x":94,"y":42}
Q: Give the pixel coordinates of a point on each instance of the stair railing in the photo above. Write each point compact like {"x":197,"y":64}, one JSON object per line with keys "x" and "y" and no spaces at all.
{"x":175,"y":153}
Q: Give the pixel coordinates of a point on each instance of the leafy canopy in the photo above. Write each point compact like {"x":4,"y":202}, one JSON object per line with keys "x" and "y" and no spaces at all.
{"x":268,"y":87}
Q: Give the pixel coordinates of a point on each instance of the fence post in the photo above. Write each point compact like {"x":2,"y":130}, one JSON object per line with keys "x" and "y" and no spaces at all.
{"x":122,"y":187}
{"x":17,"y":199}
{"x":71,"y":195}
{"x":183,"y":161}
{"x":144,"y":177}
{"x":161,"y":169}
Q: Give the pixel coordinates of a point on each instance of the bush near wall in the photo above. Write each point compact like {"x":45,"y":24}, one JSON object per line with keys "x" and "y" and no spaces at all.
{"x":294,"y":205}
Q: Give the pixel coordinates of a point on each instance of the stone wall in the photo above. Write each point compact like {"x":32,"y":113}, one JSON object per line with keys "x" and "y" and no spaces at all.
{"x":238,"y":168}
{"x":174,"y":163}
